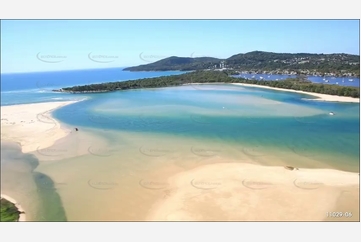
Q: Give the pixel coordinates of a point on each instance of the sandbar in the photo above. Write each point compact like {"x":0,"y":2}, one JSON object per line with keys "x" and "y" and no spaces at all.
{"x":31,"y":125}
{"x":248,"y":192}
{"x":320,"y":97}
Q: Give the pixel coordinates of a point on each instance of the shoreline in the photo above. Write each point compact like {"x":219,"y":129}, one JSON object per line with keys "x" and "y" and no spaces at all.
{"x":22,"y":216}
{"x":32,"y":125}
{"x":204,"y":176}
{"x":320,"y":97}
{"x":248,"y":192}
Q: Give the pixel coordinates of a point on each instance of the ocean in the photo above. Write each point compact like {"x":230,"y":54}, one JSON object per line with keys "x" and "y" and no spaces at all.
{"x":131,"y":141}
{"x":21,"y":88}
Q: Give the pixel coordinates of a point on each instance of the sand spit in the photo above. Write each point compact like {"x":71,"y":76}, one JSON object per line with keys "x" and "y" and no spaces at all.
{"x":31,"y":125}
{"x":320,"y":97}
{"x":246,"y":192}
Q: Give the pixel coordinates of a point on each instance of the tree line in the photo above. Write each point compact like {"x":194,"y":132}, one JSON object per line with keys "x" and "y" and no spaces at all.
{"x":299,"y":83}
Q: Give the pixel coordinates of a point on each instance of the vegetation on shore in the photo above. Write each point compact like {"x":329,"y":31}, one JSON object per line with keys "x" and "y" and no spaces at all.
{"x":300,"y":83}
{"x":261,"y":61}
{"x":9,"y":212}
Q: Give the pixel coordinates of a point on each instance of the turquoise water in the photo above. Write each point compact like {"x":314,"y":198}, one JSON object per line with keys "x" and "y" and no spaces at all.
{"x":232,"y":115}
{"x":178,"y":128}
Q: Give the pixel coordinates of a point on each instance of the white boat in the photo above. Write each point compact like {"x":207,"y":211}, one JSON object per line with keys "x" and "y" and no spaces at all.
{"x":337,"y":83}
{"x":351,"y":80}
{"x":326,"y":80}
{"x":343,"y":80}
{"x":331,"y":113}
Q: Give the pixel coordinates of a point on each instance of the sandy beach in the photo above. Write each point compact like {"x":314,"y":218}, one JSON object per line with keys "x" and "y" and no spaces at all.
{"x":22,"y":216}
{"x":31,"y":125}
{"x":214,"y":192}
{"x":246,"y":192}
{"x":320,"y":97}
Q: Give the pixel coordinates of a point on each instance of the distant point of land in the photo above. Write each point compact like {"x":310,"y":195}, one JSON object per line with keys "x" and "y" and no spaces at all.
{"x":300,"y":83}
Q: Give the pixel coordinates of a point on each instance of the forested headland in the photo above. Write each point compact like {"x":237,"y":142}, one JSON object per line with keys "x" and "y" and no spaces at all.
{"x":300,"y":83}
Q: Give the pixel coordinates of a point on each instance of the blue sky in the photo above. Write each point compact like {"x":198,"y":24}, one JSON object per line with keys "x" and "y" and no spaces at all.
{"x":46,"y":45}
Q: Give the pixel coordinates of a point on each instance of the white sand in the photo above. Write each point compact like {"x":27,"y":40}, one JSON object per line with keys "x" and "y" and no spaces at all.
{"x":321,"y":97}
{"x":31,"y":125}
{"x":22,"y":216}
{"x":213,"y":192}
{"x":245,"y":192}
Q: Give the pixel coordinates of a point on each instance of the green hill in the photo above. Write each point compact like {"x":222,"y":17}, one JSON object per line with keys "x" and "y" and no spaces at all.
{"x":261,"y":61}
{"x":177,"y":63}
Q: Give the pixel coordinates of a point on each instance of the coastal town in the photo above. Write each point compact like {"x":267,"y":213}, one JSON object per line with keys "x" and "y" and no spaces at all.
{"x":294,"y":70}
{"x":261,"y":62}
{"x":290,"y":72}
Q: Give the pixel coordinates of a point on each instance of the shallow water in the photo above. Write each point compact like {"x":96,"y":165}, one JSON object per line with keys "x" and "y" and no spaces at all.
{"x":130,"y":142}
{"x":233,"y":115}
{"x":34,"y":191}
